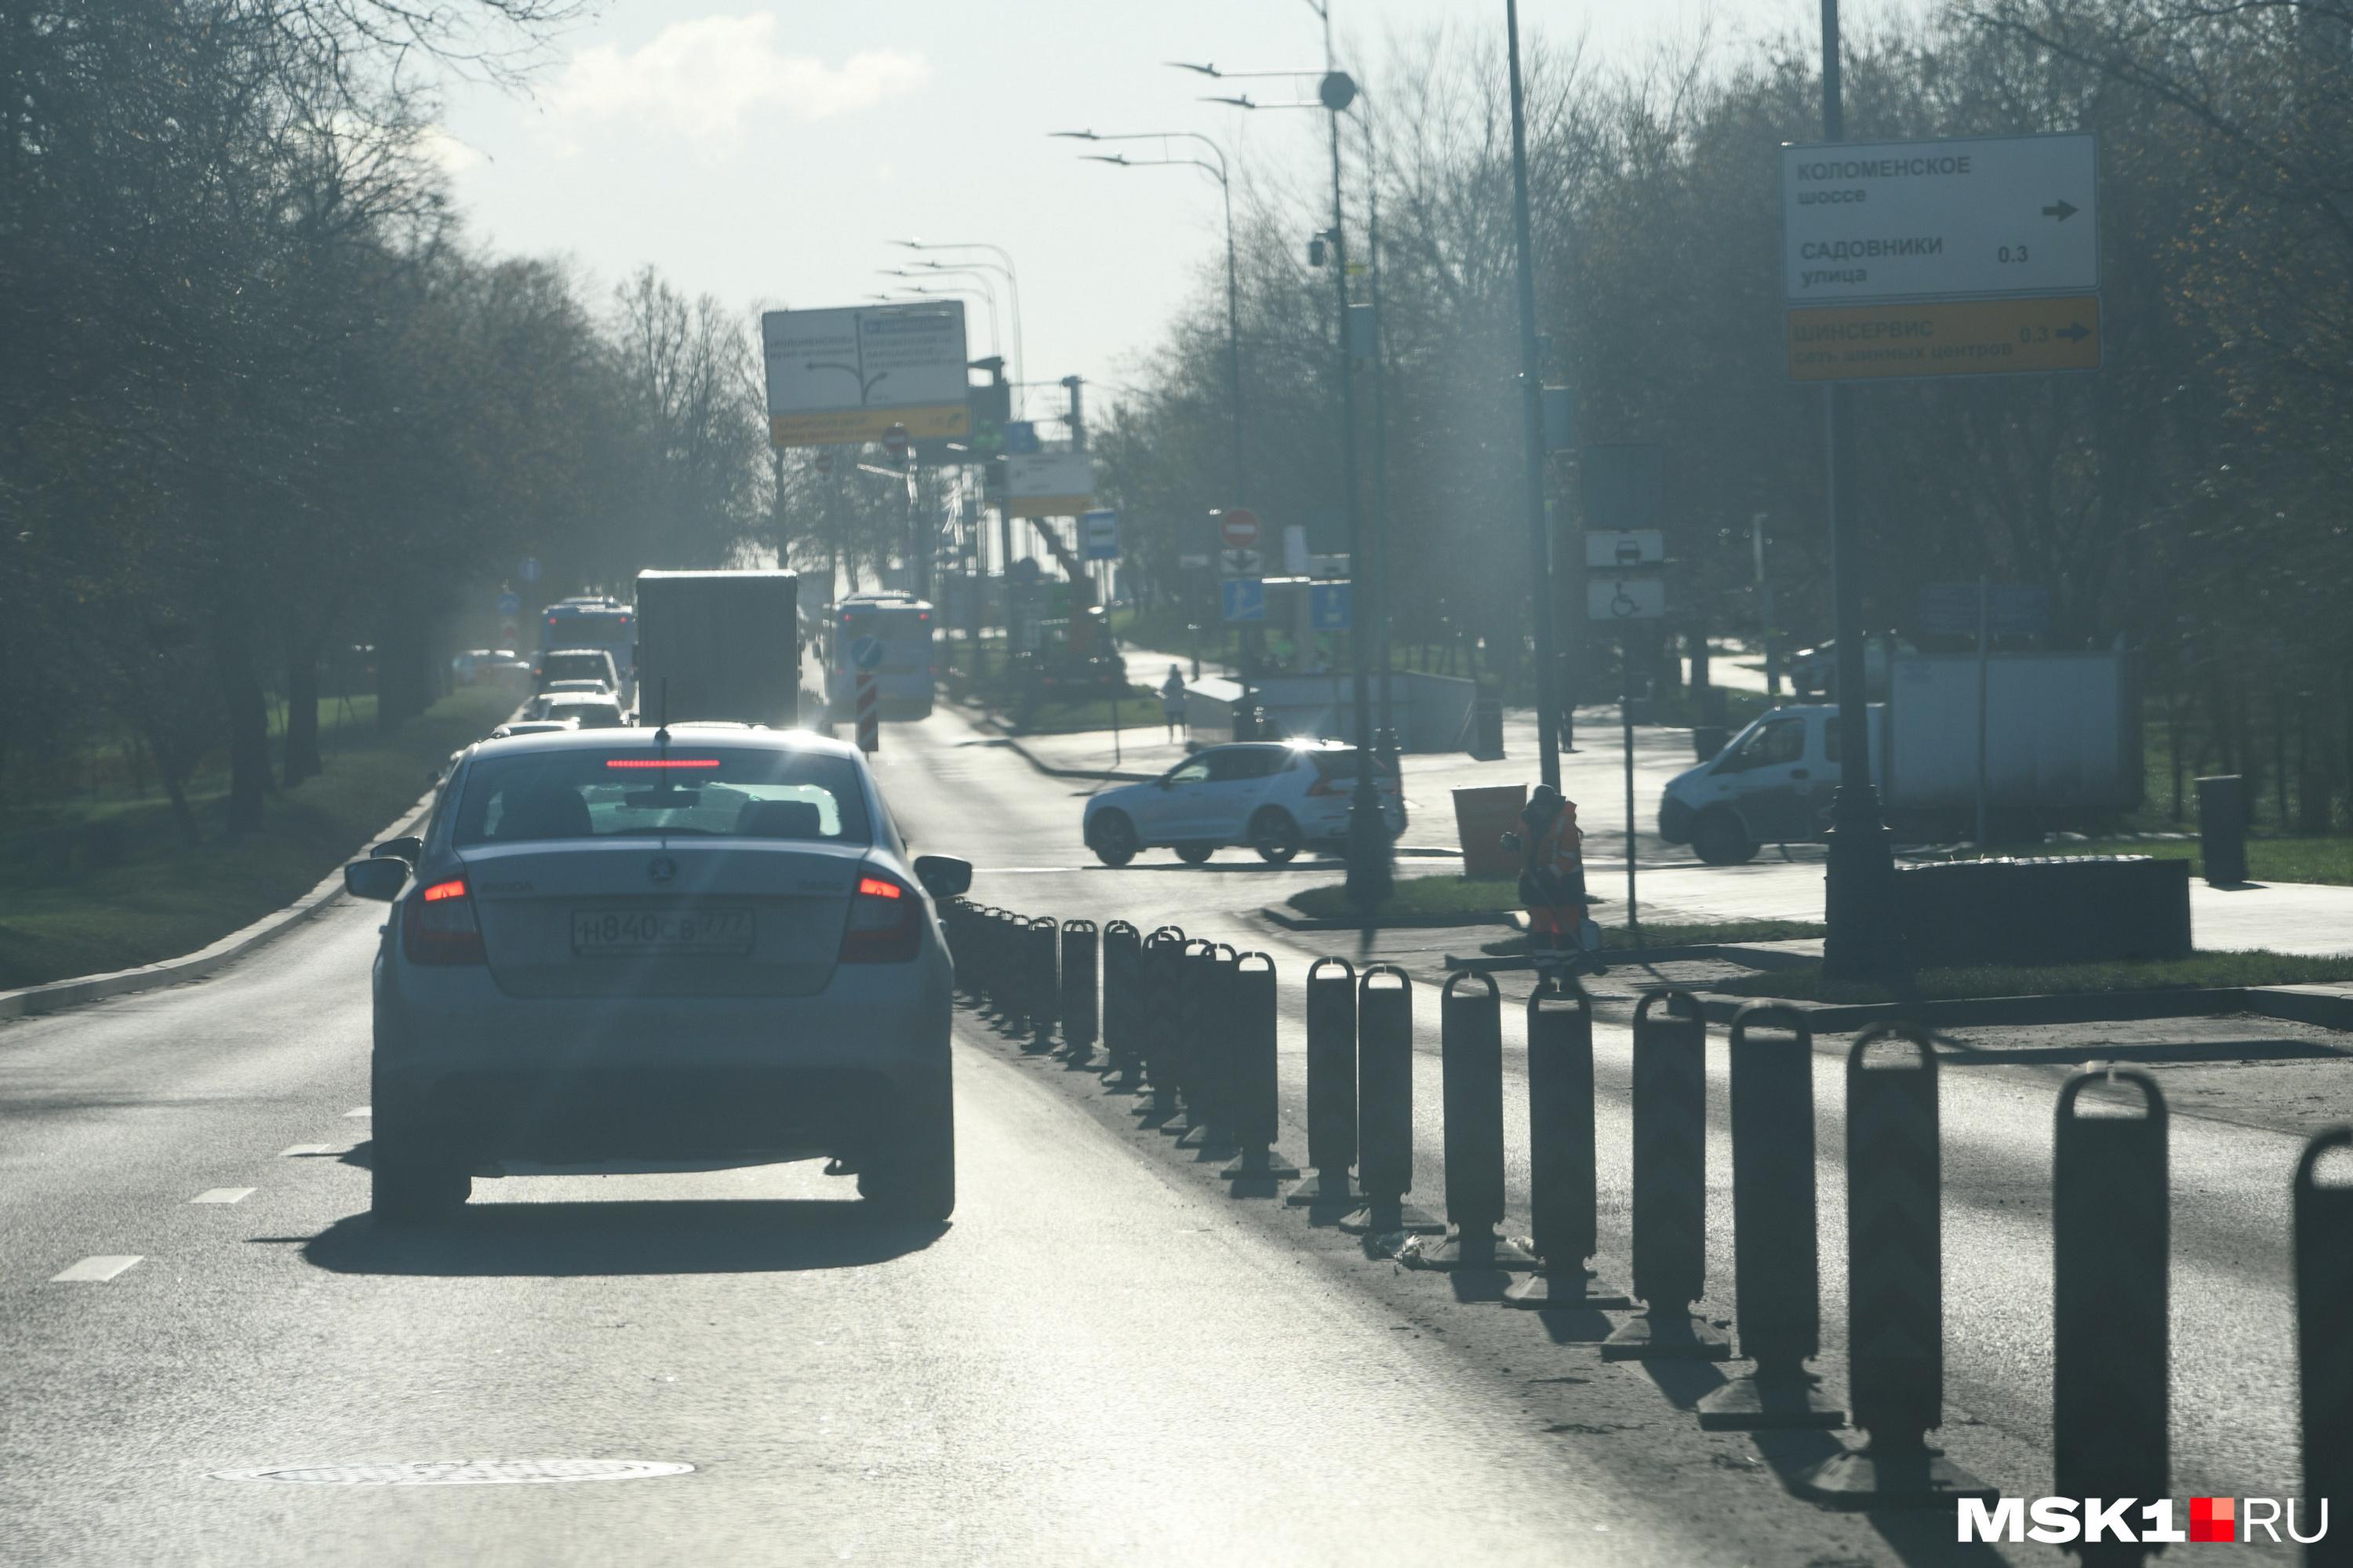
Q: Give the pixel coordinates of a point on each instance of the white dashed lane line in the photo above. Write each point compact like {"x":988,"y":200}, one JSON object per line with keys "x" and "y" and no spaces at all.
{"x":94,"y":1270}
{"x":360,"y":1111}
{"x":310,"y":1150}
{"x":224,"y":1195}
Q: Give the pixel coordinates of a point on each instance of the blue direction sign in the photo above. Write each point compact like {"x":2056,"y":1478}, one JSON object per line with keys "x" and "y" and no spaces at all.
{"x":1327,"y":606}
{"x":530,"y":569}
{"x":866,"y":653}
{"x":1020,"y":437}
{"x":510,"y":604}
{"x":1245,"y":597}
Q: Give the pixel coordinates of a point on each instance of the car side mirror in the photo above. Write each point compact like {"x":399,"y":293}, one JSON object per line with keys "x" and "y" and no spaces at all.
{"x":410,"y":849}
{"x":380,"y":879}
{"x":944,"y":876}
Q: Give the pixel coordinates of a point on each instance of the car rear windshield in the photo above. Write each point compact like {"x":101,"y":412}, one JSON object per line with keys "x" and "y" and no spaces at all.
{"x":591,"y":715}
{"x":683,"y":791}
{"x":577,"y":667}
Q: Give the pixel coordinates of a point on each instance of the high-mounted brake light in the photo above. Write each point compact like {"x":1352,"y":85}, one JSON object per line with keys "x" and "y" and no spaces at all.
{"x":870,"y":886}
{"x":440,"y":890}
{"x":661,"y":762}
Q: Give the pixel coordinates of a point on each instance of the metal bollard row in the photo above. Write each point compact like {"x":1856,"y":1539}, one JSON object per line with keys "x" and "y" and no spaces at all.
{"x":1331,"y":1084}
{"x":1670,"y":1185}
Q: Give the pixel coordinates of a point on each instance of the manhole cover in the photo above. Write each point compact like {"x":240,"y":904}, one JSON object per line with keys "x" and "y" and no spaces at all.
{"x":460,"y":1472}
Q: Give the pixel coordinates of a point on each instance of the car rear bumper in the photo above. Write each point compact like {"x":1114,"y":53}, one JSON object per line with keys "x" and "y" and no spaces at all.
{"x":576,"y":1079}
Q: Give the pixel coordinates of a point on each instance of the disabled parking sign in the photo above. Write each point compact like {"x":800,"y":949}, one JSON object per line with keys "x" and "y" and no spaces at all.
{"x":1245,"y":597}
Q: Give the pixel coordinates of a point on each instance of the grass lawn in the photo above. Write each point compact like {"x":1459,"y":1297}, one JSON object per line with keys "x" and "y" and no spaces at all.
{"x":91,"y":885}
{"x":1615,"y":938}
{"x":1932,"y":985}
{"x":1136,"y":711}
{"x":1416,"y":896}
{"x":2270,"y":857}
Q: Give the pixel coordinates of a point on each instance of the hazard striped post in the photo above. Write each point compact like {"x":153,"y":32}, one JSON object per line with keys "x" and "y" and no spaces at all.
{"x":1670,"y":1185}
{"x":1122,"y":1005}
{"x":2109,"y":1233}
{"x":1331,"y":1083}
{"x":1082,"y":943}
{"x":1895,"y":1291}
{"x":1564,"y":1197}
{"x":870,"y":718}
{"x":1254,"y":1106}
{"x":2324,"y":1326}
{"x":1385,"y":1106}
{"x":1775,"y":1265}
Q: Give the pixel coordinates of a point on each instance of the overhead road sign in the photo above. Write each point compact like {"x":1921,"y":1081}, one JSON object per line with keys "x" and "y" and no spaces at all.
{"x":1625,"y":598}
{"x":1614,"y":550}
{"x":850,"y":374}
{"x":1954,"y":337}
{"x":1244,"y":598}
{"x":1050,"y":484}
{"x":1969,"y":217}
{"x":1099,"y":532}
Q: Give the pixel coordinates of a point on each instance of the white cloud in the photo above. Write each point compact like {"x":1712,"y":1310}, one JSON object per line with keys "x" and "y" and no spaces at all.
{"x":453,"y":157}
{"x":697,"y":80}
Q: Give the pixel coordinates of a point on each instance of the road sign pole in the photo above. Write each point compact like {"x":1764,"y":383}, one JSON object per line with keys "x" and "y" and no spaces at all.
{"x":1859,"y":894}
{"x":1626,"y":709}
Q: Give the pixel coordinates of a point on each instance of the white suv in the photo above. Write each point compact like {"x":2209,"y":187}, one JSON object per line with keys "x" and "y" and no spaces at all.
{"x":1273,"y":796}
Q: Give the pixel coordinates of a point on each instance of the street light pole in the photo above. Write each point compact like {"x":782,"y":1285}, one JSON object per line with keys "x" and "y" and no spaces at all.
{"x":1532,"y":429}
{"x":1013,"y":281}
{"x":1859,"y":882}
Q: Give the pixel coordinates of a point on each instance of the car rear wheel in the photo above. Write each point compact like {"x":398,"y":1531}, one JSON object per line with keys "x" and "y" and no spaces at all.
{"x":1195,"y":854}
{"x":910,"y":1174}
{"x":1720,"y":840}
{"x":414,"y":1183}
{"x":1274,"y":835}
{"x":1113,"y":838}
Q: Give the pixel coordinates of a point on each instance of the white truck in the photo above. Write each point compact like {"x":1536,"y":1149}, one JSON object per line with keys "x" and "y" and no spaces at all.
{"x":2061,"y":745}
{"x":719,"y":645}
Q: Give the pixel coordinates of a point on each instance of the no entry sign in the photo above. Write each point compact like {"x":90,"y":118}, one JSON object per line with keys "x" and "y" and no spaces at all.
{"x":1238,"y":528}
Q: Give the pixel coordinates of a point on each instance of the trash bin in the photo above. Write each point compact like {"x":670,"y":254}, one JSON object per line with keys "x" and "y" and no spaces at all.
{"x":1487,"y":729}
{"x":1481,"y":818}
{"x":2222,"y":830}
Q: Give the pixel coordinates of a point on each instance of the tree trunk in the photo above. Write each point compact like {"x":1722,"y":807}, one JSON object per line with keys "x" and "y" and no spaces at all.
{"x":249,"y":720}
{"x":301,"y":760}
{"x":167,"y":764}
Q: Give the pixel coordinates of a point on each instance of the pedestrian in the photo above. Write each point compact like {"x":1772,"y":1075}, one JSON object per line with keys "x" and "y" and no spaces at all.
{"x":1552,"y":872}
{"x":1172,"y":702}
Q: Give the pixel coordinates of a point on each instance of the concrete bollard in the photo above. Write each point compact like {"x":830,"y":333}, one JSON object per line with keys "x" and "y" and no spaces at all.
{"x":2324,"y":1329}
{"x":1471,"y":1050}
{"x":1385,"y":1106}
{"x":1080,"y":942}
{"x":1564,"y":1197}
{"x":1670,"y":1185}
{"x":1895,"y":1295}
{"x":1253,"y":1089}
{"x":1331,"y":1083}
{"x":1122,"y":985}
{"x":1164,"y":959}
{"x":2109,"y":1236}
{"x":1776,"y":1264}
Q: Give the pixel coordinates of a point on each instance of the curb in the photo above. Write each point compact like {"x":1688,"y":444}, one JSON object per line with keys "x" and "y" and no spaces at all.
{"x":2326,"y":1006}
{"x":1290,"y":922}
{"x":36,"y":1000}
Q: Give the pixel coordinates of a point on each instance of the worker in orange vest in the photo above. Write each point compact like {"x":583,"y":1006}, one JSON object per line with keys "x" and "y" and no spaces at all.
{"x":1552,"y":874}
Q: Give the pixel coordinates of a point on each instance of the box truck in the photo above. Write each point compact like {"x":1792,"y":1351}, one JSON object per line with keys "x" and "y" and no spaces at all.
{"x":719,"y":645}
{"x":2061,"y":746}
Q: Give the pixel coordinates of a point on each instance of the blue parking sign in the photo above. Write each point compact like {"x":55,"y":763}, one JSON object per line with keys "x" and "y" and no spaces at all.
{"x":1327,"y":606}
{"x":1245,"y":599}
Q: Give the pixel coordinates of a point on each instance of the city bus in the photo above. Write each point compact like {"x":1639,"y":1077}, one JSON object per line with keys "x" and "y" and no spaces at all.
{"x":905,"y":626}
{"x":594,"y":622}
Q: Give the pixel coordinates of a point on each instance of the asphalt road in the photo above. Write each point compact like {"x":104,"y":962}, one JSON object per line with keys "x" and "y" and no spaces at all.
{"x":1102,"y":1358}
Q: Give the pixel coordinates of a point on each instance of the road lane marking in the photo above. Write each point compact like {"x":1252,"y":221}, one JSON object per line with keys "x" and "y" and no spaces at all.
{"x":309,"y":1150}
{"x":224,"y":1195}
{"x":461,"y":1472}
{"x":359,"y":1111}
{"x":95,"y":1270}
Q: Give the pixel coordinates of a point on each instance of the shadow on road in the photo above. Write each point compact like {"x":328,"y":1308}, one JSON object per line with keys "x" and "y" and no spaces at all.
{"x":722,"y":1236}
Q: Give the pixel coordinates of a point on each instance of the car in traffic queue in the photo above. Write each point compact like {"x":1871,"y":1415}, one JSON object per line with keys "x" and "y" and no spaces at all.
{"x":693,"y":944}
{"x":1277,"y":797}
{"x":558,"y":665}
{"x":585,"y":710}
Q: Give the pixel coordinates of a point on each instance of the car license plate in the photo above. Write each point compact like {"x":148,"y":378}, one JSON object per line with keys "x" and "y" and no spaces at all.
{"x":603,"y":933}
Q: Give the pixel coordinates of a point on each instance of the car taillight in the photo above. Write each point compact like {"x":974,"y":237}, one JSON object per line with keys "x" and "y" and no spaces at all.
{"x":1323,"y":786}
{"x":439,"y":928}
{"x":886,"y":924}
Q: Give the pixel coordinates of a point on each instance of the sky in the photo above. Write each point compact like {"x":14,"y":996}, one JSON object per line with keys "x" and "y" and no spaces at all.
{"x":769,"y":153}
